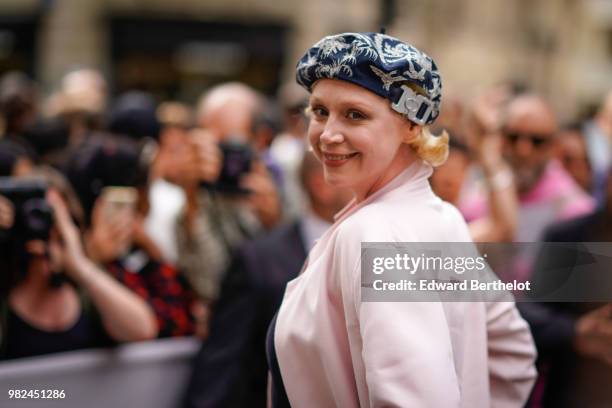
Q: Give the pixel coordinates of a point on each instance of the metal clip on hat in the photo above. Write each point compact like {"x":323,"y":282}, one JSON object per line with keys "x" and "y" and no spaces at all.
{"x":417,"y":108}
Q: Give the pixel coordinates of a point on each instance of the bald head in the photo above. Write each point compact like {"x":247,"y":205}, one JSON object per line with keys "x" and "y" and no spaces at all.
{"x":532,"y":113}
{"x":84,"y":90}
{"x":83,"y":78}
{"x":227,"y":111}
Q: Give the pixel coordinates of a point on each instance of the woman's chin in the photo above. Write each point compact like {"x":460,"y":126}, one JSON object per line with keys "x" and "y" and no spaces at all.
{"x":337,"y":180}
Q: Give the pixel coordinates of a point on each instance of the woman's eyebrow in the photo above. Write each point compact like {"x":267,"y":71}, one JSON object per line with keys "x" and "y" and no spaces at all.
{"x":315,"y":101}
{"x":352,"y":104}
{"x":343,"y":103}
{"x":355,"y":104}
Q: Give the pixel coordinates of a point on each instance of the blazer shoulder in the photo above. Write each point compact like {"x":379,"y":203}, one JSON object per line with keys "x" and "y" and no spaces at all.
{"x":280,"y":237}
{"x":577,"y":229}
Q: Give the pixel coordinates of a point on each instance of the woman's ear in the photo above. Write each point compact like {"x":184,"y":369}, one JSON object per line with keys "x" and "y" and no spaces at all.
{"x":411,"y":132}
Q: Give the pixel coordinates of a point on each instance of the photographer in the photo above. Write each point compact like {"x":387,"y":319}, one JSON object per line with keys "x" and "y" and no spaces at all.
{"x":110,"y":175}
{"x":166,"y":198}
{"x":56,"y":299}
{"x":229,"y":208}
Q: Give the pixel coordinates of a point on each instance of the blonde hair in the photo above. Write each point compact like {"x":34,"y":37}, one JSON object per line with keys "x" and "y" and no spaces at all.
{"x":431,"y":148}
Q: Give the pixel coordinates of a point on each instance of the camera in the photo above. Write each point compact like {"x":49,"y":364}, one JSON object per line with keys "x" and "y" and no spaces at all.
{"x":33,"y":215}
{"x":237,"y":159}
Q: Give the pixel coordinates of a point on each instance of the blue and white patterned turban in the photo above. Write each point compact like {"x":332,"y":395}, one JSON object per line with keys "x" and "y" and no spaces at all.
{"x":381,"y":64}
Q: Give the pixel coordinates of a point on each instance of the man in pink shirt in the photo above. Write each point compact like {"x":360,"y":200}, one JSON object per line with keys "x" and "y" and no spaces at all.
{"x":547,"y":193}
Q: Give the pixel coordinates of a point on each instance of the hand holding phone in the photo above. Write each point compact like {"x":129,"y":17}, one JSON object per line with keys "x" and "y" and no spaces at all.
{"x":111,"y":232}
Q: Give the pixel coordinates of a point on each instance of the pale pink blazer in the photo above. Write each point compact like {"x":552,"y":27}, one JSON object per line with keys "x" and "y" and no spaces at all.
{"x":334,"y":351}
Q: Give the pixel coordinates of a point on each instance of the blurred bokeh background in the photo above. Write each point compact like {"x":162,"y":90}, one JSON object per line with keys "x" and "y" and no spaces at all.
{"x":177,"y":48}
{"x":219,"y":95}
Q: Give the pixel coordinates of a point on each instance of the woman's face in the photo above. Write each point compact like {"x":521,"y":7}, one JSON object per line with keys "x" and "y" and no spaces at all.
{"x":357,"y":137}
{"x":45,"y":258}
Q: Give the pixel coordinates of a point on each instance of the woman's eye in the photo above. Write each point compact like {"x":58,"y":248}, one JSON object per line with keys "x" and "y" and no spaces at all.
{"x":355,"y":115}
{"x":318,"y":111}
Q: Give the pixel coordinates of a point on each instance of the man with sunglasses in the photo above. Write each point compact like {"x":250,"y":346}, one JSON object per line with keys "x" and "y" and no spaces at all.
{"x":547,"y":193}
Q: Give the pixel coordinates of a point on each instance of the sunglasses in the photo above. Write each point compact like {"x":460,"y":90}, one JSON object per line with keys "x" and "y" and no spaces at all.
{"x":537,"y":140}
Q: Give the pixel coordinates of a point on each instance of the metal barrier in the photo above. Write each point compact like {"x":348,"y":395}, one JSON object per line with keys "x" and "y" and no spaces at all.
{"x":148,"y":375}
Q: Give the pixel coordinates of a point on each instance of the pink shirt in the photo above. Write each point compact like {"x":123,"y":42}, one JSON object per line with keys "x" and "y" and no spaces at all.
{"x":555,"y":197}
{"x":335,"y":351}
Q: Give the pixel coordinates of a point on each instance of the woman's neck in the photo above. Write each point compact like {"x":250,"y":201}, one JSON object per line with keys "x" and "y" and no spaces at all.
{"x":36,"y":292}
{"x":43,"y":306}
{"x":403,"y":159}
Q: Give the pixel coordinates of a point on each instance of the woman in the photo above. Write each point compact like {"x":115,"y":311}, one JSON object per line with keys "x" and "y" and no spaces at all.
{"x":372,"y":97}
{"x":54,"y":298}
{"x":115,"y":237}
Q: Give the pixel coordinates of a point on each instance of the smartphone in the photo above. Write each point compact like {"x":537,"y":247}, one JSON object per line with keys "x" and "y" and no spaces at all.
{"x":119,"y":199}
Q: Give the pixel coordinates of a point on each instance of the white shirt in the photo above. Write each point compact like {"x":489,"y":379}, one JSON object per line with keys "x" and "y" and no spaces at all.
{"x":166,"y":201}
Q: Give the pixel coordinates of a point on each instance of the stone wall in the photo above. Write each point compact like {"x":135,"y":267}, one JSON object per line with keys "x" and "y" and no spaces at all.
{"x":559,"y":47}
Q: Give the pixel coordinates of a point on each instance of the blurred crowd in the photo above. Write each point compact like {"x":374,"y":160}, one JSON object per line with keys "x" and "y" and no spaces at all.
{"x":129,"y":218}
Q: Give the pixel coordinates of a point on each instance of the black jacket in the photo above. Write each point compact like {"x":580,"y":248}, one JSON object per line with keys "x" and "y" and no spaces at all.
{"x":567,"y":379}
{"x":230,"y":369}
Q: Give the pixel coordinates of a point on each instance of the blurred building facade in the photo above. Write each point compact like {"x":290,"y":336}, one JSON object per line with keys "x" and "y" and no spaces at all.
{"x":562,"y":48}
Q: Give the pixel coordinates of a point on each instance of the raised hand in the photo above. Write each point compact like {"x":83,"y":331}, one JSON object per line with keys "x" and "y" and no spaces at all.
{"x":594,"y":334}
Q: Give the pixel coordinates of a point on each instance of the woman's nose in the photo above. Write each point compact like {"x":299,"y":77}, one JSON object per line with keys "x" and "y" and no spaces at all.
{"x":331,"y":134}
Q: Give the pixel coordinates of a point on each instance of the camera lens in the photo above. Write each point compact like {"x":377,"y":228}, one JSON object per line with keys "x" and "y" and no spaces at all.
{"x":38,"y":219}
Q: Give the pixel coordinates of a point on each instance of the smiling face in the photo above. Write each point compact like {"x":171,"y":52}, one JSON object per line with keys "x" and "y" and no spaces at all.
{"x":358,"y":138}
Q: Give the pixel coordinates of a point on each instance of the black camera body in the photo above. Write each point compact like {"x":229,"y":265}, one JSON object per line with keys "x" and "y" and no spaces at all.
{"x":237,"y":160}
{"x":33,"y":215}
